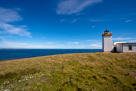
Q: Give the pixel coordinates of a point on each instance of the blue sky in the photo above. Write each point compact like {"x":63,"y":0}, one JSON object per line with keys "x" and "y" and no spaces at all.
{"x":72,"y":24}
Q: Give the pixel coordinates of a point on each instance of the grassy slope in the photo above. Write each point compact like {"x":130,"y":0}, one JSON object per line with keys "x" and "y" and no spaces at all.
{"x":70,"y":72}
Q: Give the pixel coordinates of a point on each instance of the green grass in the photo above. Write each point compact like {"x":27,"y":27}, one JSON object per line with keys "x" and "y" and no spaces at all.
{"x":70,"y":72}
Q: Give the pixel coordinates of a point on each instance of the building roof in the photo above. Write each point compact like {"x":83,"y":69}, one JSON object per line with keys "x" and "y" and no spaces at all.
{"x":115,"y":43}
{"x":126,"y":43}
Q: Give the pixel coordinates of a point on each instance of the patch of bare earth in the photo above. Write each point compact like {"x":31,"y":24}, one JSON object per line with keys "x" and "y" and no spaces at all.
{"x":133,"y":73}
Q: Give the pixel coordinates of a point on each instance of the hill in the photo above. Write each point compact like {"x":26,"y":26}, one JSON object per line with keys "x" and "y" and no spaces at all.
{"x":70,"y":72}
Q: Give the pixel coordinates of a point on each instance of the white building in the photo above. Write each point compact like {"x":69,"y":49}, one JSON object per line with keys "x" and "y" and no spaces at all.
{"x":107,"y":45}
{"x":106,"y":41}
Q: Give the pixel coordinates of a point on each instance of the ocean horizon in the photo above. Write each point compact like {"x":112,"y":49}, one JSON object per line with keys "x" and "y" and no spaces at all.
{"x":19,"y":53}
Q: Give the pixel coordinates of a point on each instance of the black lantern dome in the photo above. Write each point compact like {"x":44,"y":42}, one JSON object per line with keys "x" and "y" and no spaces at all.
{"x":106,"y":31}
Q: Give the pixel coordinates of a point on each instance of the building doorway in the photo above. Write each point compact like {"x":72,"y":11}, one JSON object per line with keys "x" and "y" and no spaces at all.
{"x":115,"y":49}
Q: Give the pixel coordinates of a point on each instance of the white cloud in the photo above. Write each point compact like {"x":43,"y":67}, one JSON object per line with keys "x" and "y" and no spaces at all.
{"x":93,"y":40}
{"x":76,"y":42}
{"x":1,"y":37}
{"x":10,"y":29}
{"x":10,"y":15}
{"x":6,"y":43}
{"x":63,"y":20}
{"x":128,"y":20}
{"x":10,"y":44}
{"x":69,"y":7}
{"x":43,"y":37}
{"x":73,"y":42}
{"x":97,"y":20}
{"x":73,"y":21}
{"x":49,"y":42}
{"x":121,"y":38}
{"x":80,"y":14}
{"x":132,"y":41}
{"x":96,"y":45}
{"x":128,"y":39}
{"x":93,"y":26}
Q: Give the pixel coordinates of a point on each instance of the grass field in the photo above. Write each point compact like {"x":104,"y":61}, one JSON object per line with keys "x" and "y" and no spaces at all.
{"x":70,"y":72}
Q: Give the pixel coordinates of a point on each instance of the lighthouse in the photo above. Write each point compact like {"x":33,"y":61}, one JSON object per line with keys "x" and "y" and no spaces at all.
{"x":107,"y":41}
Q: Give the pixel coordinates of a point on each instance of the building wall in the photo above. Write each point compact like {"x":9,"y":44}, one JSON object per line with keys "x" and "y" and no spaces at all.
{"x":103,"y":44}
{"x":107,"y":43}
{"x":119,"y":47}
{"x":125,"y":48}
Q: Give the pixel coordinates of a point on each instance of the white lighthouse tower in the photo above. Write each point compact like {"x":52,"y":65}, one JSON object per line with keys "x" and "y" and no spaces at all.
{"x":107,"y":41}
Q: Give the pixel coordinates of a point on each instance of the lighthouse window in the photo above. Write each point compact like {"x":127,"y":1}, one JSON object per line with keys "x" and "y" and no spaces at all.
{"x":129,"y":47}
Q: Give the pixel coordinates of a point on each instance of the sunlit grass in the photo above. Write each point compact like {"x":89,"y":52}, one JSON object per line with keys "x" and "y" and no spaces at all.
{"x":70,"y":72}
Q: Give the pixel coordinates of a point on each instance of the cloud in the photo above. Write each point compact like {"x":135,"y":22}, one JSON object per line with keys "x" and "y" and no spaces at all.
{"x":10,"y":15}
{"x":69,"y":7}
{"x":11,"y":44}
{"x":49,"y":42}
{"x":1,"y":37}
{"x":43,"y":37}
{"x":6,"y":43}
{"x":76,"y":42}
{"x":63,"y":20}
{"x":73,"y":42}
{"x":128,"y":20}
{"x":73,"y":21}
{"x":93,"y":26}
{"x":97,"y":20}
{"x":17,"y":44}
{"x":96,"y":45}
{"x":120,"y":38}
{"x":11,"y":29}
{"x":93,"y":40}
{"x":132,"y":41}
{"x":80,"y":14}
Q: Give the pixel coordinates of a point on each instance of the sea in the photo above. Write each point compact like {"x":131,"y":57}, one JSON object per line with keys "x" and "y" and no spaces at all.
{"x":11,"y":54}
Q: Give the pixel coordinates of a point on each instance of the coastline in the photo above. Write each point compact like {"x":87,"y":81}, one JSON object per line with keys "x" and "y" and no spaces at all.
{"x":85,"y":71}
